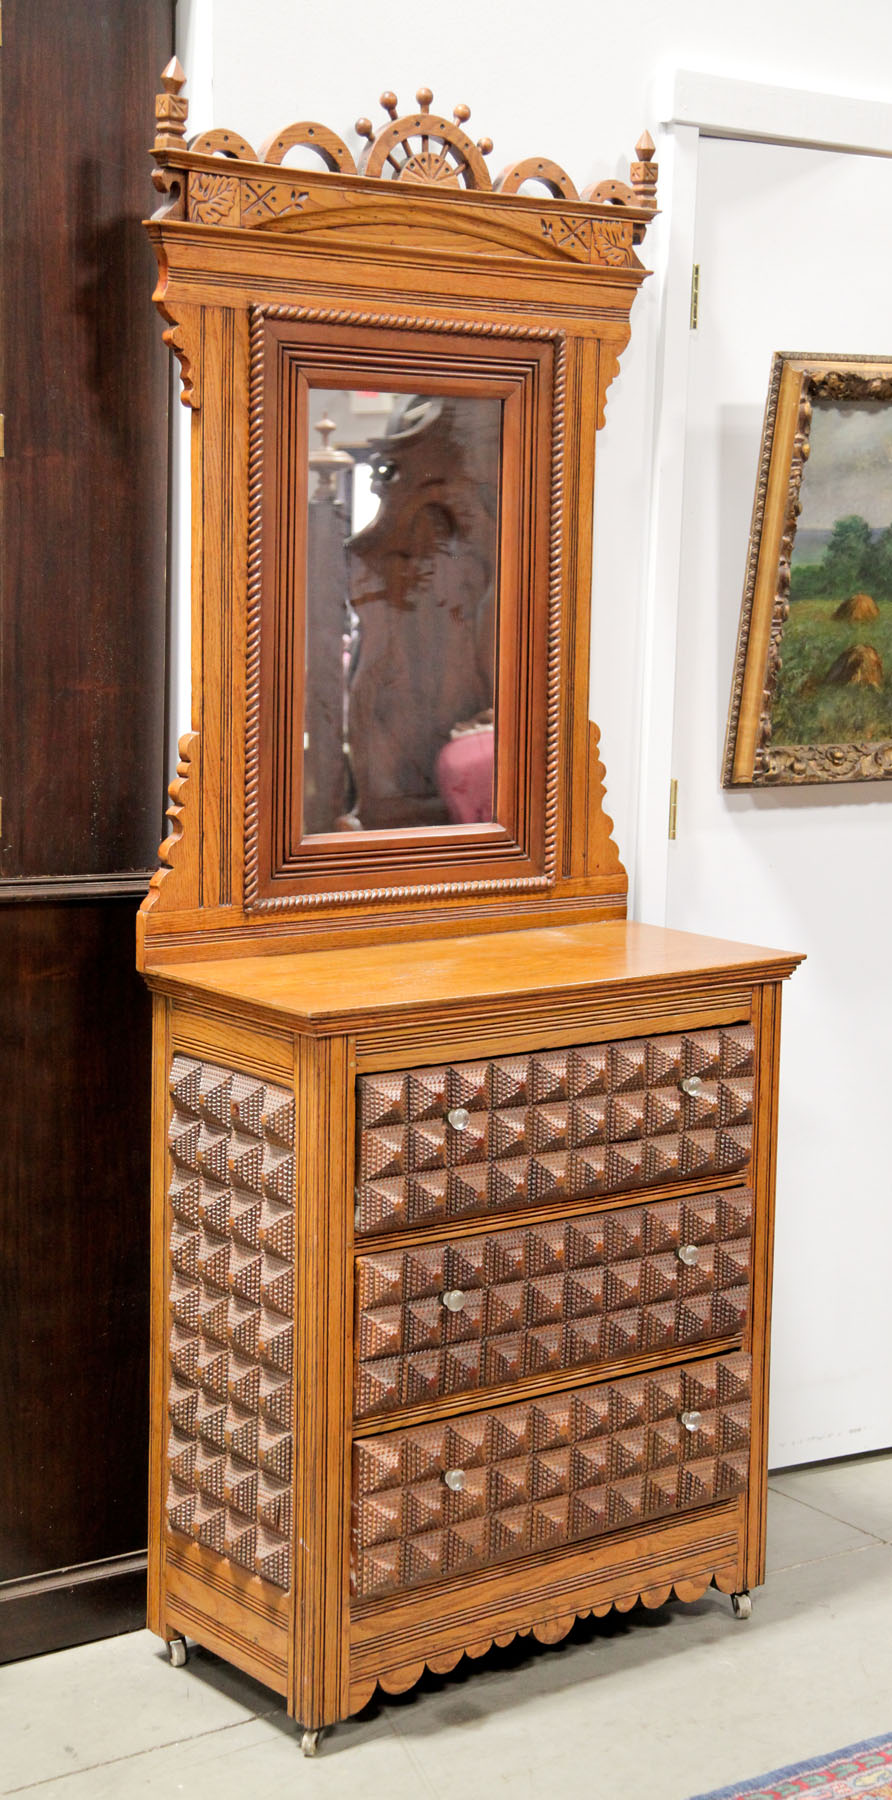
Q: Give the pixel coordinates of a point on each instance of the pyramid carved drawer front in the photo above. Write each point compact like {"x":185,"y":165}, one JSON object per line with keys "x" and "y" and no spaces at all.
{"x":469,"y":1138}
{"x":447,"y":1318}
{"x":441,"y":1500}
{"x":231,"y":1297}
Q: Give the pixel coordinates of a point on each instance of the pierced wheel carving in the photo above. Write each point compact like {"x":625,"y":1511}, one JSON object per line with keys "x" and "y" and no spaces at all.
{"x":424,"y":148}
{"x":742,"y":1605}
{"x":177,"y":1653}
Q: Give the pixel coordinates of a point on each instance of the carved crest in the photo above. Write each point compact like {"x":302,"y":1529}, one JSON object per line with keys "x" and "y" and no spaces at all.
{"x":421,"y":148}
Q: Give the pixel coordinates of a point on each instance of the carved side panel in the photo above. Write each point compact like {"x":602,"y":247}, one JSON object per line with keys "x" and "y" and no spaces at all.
{"x":477,"y":1312}
{"x":467,"y":1138}
{"x":441,"y":1500}
{"x":230,"y":1402}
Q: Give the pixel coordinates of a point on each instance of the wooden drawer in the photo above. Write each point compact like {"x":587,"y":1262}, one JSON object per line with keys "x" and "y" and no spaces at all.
{"x":446,"y":1318}
{"x":466,"y":1138}
{"x":440,"y":1500}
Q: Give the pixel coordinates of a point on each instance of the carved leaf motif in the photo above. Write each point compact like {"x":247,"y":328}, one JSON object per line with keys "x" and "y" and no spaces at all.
{"x":212,"y":198}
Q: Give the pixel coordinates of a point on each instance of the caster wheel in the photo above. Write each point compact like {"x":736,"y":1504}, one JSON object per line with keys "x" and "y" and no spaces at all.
{"x":176,"y":1652}
{"x":310,"y":1743}
{"x":742,"y":1605}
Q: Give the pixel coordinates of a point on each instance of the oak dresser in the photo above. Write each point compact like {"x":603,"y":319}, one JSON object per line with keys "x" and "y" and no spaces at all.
{"x":463,"y":1183}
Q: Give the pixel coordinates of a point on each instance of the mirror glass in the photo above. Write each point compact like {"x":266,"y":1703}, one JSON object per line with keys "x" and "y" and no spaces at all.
{"x":402,"y":545}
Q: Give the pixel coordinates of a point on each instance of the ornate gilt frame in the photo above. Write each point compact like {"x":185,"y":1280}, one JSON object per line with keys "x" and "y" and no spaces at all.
{"x":750,"y":758}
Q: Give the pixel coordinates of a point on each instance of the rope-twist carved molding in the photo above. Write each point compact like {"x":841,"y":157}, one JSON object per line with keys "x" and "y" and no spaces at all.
{"x":432,"y":890}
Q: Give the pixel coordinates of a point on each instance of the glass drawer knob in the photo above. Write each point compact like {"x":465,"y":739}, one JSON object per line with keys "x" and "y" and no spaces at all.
{"x":455,"y":1479}
{"x":459,"y":1119}
{"x":691,"y":1084}
{"x":689,"y":1254}
{"x":453,"y":1299}
{"x":691,"y":1420}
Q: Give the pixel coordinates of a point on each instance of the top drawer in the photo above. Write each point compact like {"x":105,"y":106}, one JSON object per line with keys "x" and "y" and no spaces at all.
{"x":515,"y":1131}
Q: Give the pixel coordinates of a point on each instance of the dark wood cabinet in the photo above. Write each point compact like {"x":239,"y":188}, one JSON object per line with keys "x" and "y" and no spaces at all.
{"x":83,"y":492}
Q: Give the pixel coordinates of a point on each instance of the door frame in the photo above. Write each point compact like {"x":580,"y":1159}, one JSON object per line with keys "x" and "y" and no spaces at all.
{"x":691,"y":106}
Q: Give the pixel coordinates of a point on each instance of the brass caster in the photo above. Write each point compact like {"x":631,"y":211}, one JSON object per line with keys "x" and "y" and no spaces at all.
{"x":310,"y":1742}
{"x":176,"y":1652}
{"x":742,"y":1605}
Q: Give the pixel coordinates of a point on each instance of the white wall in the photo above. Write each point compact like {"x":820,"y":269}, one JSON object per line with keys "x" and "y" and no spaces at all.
{"x":808,"y":868}
{"x":578,"y":81}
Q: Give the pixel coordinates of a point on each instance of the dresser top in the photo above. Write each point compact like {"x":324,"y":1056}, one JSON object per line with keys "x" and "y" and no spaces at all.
{"x":340,"y":990}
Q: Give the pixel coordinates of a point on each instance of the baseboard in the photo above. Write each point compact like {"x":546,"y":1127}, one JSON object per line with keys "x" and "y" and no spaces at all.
{"x":61,"y":1607}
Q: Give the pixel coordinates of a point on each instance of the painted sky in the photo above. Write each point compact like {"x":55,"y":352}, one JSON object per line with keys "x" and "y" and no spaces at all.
{"x":850,"y":466}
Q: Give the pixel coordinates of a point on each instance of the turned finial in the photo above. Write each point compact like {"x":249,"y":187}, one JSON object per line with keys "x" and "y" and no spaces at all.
{"x":171,"y":110}
{"x":424,"y":97}
{"x":643,"y":174}
{"x":461,"y":113}
{"x":173,"y":76}
{"x":484,"y":145}
{"x":328,"y":462}
{"x":364,"y":128}
{"x":390,"y":103}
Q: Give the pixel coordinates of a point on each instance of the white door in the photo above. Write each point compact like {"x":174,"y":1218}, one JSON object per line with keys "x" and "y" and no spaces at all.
{"x":795,"y":253}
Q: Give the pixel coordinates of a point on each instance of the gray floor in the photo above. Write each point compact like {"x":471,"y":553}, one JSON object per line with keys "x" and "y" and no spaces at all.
{"x":644,"y":1706}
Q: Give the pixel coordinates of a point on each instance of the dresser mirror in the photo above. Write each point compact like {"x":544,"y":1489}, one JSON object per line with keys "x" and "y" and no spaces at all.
{"x":402,"y":631}
{"x":397,"y":364}
{"x":400,"y":602}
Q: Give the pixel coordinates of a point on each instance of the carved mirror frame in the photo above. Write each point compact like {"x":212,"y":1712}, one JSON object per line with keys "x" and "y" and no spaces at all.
{"x":416,"y":268}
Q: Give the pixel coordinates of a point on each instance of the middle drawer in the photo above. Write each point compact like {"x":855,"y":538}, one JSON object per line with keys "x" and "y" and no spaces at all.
{"x":505,"y":1306}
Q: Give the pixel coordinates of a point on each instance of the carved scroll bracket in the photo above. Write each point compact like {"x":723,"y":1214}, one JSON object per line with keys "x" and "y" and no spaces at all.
{"x":179,"y":853}
{"x":176,"y":337}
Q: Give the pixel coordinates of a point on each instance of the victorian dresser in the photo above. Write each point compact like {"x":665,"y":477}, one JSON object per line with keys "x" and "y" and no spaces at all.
{"x":463,"y":1183}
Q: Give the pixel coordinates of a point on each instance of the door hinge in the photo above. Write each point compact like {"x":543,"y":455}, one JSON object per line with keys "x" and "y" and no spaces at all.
{"x":2,"y":435}
{"x":695,"y":296}
{"x":673,"y":807}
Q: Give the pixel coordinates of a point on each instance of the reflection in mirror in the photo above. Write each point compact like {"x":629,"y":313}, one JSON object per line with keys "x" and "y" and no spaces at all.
{"x":402,"y":584}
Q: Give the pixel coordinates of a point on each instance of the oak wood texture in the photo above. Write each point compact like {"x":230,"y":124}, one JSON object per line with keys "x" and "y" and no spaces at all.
{"x":419,"y":263}
{"x":320,"y":1652}
{"x":230,"y":1454}
{"x":425,"y":983}
{"x":550,"y":1128}
{"x":440,"y":1500}
{"x":471,"y":1313}
{"x":442,"y":1009}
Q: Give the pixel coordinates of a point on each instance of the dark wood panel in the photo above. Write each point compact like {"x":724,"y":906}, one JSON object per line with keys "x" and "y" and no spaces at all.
{"x":74,"y":1206}
{"x":73,"y":1606}
{"x":84,"y":388}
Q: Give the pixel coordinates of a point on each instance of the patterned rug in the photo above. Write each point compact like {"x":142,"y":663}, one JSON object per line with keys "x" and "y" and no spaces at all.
{"x":862,"y":1769}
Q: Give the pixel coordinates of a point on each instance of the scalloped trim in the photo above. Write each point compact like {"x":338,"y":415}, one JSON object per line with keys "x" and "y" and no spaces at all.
{"x":546,"y":1631}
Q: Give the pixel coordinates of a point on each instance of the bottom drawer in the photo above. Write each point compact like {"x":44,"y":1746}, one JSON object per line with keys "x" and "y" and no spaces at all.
{"x":441,"y":1500}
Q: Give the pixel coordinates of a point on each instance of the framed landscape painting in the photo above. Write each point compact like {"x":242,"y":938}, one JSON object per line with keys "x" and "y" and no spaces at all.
{"x":812,"y":692}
